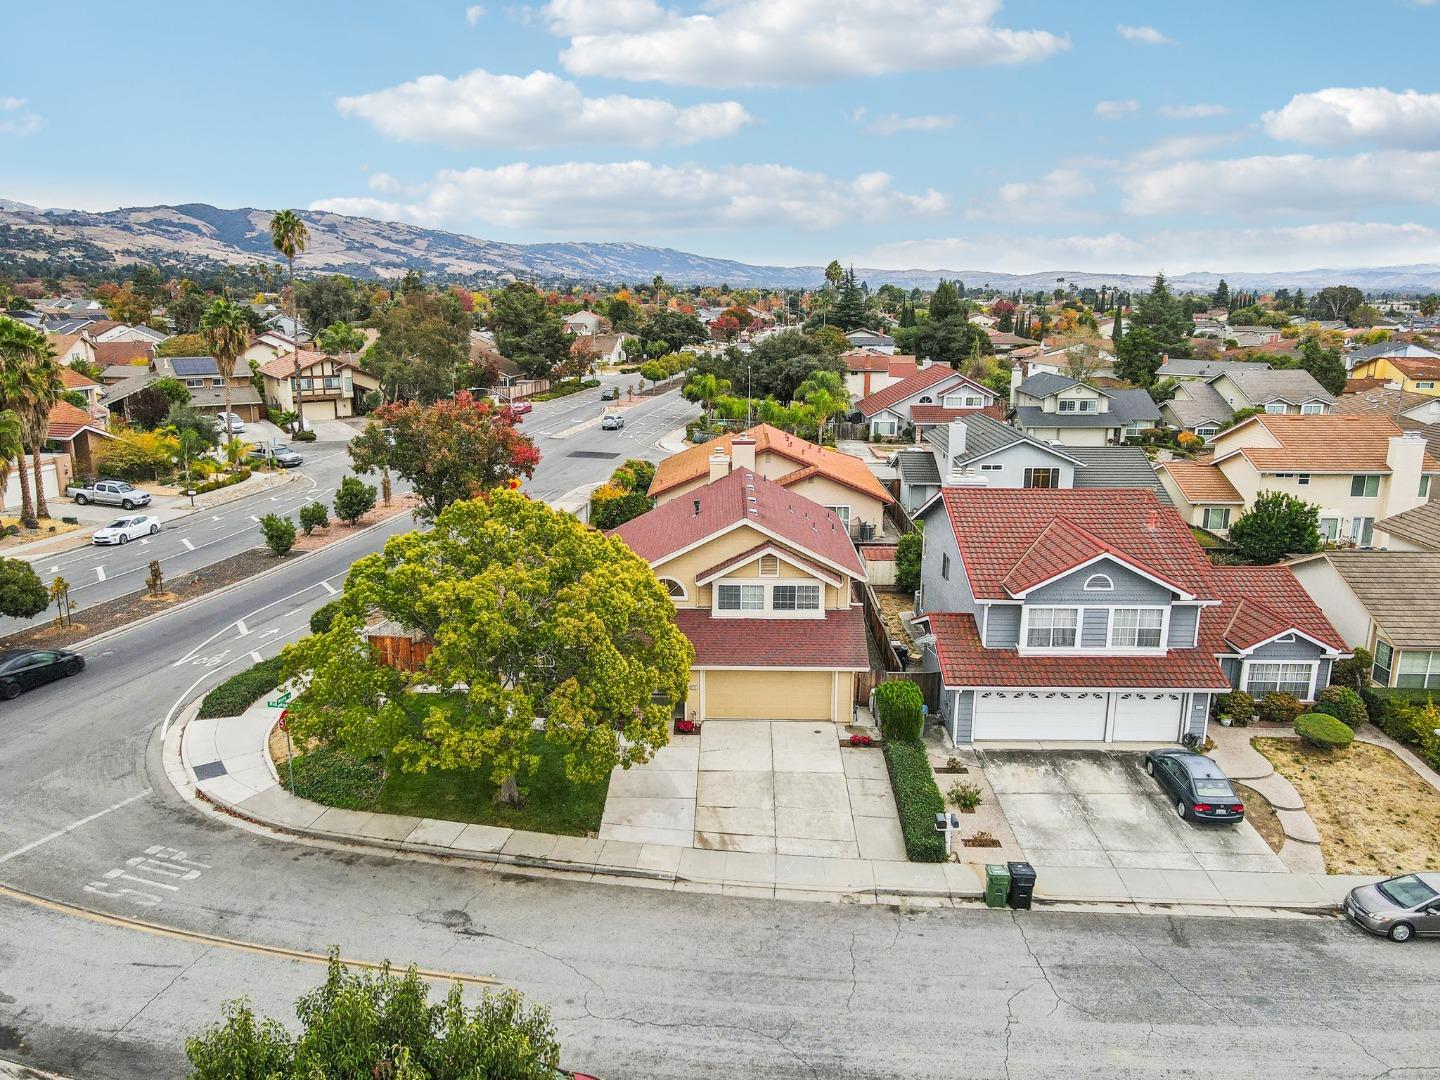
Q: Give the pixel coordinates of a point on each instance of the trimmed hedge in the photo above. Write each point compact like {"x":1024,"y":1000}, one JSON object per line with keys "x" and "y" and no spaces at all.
{"x":565,"y":389}
{"x":1238,"y":705}
{"x":1407,"y":715}
{"x":1323,"y":730}
{"x":237,"y":693}
{"x":1278,"y":707}
{"x":901,"y":706}
{"x":1342,"y":703}
{"x":918,"y":801}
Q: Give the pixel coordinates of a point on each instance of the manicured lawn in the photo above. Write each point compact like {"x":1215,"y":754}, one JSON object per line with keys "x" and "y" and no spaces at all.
{"x":1374,"y":814}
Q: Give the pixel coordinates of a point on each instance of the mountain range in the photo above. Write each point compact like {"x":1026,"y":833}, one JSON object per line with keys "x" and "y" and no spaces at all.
{"x":196,"y":236}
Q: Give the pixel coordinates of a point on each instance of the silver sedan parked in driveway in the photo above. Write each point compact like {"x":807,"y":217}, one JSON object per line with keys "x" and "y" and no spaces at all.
{"x":123,"y":530}
{"x":1398,"y":908}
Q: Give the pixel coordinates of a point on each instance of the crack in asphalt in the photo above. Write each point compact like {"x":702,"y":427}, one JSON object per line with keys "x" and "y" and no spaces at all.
{"x":115,"y":1034}
{"x":1196,"y":994}
{"x":1060,"y":999}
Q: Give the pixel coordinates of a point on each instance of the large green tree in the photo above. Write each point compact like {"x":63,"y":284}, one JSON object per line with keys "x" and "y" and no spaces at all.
{"x":849,"y":311}
{"x":1335,"y":302}
{"x":289,"y":236}
{"x":945,"y":302}
{"x":1276,"y":525}
{"x":529,"y":331}
{"x":423,"y":347}
{"x":331,"y":298}
{"x":367,"y":1026}
{"x":452,"y":450}
{"x":530,"y":615}
{"x":671,"y":331}
{"x":29,"y":386}
{"x":1160,"y":312}
{"x":776,"y":366}
{"x":1138,"y":356}
{"x":1327,"y":365}
{"x":227,"y":334}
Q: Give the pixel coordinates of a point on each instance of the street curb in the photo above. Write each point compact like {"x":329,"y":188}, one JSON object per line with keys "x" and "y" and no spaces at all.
{"x":14,"y":1070}
{"x":645,"y":878}
{"x":98,"y":638}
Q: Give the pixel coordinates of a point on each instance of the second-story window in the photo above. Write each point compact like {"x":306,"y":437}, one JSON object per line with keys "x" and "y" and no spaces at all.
{"x":1364,"y":487}
{"x":1052,"y":628}
{"x":742,"y":598}
{"x":1137,"y":628}
{"x":795,"y":598}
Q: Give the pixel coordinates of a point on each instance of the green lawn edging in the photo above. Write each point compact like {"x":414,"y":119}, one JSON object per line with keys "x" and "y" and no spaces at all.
{"x":237,"y":693}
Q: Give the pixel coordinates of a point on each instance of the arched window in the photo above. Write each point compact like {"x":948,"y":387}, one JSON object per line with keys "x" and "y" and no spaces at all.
{"x":1099,"y":583}
{"x":674,"y":588}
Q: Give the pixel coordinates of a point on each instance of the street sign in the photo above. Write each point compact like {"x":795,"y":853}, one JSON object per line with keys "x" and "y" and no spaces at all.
{"x":281,"y":701}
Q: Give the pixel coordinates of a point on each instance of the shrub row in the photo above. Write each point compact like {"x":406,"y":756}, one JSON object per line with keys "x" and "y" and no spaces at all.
{"x":565,"y":389}
{"x":1342,"y":703}
{"x":1408,"y":716}
{"x":237,"y":693}
{"x":918,"y":801}
{"x":901,"y":707}
{"x":222,"y":481}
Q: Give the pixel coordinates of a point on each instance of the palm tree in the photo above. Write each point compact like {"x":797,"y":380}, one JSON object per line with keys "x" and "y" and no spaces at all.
{"x":227,"y":334}
{"x":289,"y":236}
{"x":12,"y":448}
{"x":30,"y":385}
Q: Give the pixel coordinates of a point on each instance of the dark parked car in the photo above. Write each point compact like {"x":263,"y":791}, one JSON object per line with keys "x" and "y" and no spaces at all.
{"x":1399,"y":908}
{"x":610,"y":393}
{"x":1200,"y":790}
{"x":25,"y":669}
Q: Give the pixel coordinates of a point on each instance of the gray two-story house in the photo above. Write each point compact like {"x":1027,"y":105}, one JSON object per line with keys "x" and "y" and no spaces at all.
{"x":1056,"y":408}
{"x":1094,"y":616}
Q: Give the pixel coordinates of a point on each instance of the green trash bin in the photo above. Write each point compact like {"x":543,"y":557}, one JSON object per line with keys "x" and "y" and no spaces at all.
{"x":997,"y":884}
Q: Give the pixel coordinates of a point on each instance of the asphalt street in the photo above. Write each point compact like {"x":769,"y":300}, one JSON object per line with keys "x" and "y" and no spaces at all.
{"x":642,"y":983}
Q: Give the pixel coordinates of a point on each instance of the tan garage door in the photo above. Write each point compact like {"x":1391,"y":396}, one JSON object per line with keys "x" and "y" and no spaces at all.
{"x":319,"y":410}
{"x":769,"y":695}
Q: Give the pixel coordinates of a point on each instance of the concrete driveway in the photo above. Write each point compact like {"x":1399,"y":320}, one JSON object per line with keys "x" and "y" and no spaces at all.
{"x":769,"y":788}
{"x":1098,"y":808}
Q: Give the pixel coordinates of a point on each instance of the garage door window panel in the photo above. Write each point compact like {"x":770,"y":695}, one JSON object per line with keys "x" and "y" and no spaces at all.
{"x":1051,"y":628}
{"x":1286,"y":678}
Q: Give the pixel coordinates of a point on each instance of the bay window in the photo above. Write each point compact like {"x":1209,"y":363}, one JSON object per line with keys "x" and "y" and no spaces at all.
{"x":1285,"y":678}
{"x":1051,"y":628}
{"x":1137,"y":628}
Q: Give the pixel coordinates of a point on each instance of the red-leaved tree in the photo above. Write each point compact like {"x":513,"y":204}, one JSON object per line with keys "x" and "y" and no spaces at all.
{"x":453,"y":450}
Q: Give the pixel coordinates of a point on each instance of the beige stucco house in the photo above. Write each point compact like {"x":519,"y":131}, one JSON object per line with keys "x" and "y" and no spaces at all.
{"x":331,"y":387}
{"x":838,"y":482}
{"x":762,"y":582}
{"x":1356,"y":469}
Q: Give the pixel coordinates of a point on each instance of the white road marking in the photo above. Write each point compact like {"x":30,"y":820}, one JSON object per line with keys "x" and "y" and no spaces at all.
{"x":256,"y":657}
{"x":144,"y":541}
{"x":214,"y":517}
{"x":70,"y":828}
{"x":54,"y":569}
{"x":188,"y":545}
{"x":255,"y":519}
{"x":270,"y":633}
{"x":240,"y":625}
{"x":100,"y":572}
{"x":329,"y":588}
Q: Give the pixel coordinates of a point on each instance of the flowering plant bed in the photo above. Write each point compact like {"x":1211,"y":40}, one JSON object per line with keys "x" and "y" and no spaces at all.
{"x":686,"y":727}
{"x":862,"y":740}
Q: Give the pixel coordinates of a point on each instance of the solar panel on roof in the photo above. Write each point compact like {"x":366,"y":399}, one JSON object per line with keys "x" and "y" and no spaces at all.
{"x":192,"y":366}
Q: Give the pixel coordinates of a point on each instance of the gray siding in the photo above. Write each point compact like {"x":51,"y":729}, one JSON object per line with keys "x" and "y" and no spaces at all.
{"x":963,"y":731}
{"x":1015,"y":460}
{"x":1199,"y":715}
{"x":1002,"y":626}
{"x":1322,"y":679}
{"x":1092,"y":634}
{"x":917,"y":495}
{"x":1130,"y":588}
{"x":1299,"y":649}
{"x":937,"y":593}
{"x":1231,"y":668}
{"x":1183,"y":620}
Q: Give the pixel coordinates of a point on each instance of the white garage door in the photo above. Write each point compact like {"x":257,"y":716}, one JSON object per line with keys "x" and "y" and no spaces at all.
{"x":1039,"y":715}
{"x":1148,"y":717}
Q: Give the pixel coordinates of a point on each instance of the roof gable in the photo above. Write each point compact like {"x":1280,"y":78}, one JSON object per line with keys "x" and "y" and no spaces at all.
{"x":897,"y":393}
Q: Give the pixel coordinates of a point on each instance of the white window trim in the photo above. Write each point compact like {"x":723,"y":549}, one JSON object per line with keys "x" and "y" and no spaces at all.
{"x":845,"y":517}
{"x":1206,"y":511}
{"x":1023,"y":642}
{"x":1093,"y":583}
{"x":1275,"y":408}
{"x":1079,"y":649}
{"x":768,"y":610}
{"x":1137,"y":650}
{"x":1432,"y":667}
{"x":684,"y":593}
{"x":1312,"y":408}
{"x":1313,"y":665}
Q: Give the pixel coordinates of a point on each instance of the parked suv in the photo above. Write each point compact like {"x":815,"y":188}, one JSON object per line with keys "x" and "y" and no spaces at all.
{"x":1200,"y":790}
{"x":612,"y":422}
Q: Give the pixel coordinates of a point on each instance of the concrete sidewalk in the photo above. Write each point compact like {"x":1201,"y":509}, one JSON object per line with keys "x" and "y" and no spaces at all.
{"x":224,"y":763}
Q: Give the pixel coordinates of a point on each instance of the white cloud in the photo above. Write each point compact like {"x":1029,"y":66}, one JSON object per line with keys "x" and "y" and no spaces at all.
{"x":1301,"y":247}
{"x":787,"y":42}
{"x":539,"y":109}
{"x":15,"y":119}
{"x":1116,"y":110}
{"x":895,"y":124}
{"x":1193,"y":112}
{"x":1287,"y":182}
{"x":1358,"y":114}
{"x":640,"y":197}
{"x":474,"y":14}
{"x":1143,"y":35}
{"x":1050,"y":197}
{"x":1177,"y":147}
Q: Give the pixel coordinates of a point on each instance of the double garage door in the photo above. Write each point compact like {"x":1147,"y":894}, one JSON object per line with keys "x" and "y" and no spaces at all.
{"x":769,"y":695}
{"x":1077,"y":716}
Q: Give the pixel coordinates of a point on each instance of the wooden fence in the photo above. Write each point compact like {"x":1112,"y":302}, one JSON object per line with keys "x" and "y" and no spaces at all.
{"x":400,"y":651}
{"x":928,"y":681}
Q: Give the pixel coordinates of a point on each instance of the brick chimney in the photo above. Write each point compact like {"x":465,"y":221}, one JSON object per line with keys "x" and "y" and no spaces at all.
{"x":719,"y":464}
{"x":742,"y":452}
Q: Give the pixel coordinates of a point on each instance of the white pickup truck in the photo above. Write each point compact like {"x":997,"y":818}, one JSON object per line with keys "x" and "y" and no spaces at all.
{"x":109,"y":493}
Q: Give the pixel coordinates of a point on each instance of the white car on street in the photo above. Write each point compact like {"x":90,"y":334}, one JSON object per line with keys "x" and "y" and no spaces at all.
{"x":123,"y":530}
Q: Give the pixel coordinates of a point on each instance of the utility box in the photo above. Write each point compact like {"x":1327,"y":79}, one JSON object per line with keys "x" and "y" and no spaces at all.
{"x":997,"y":884}
{"x":1022,"y":885}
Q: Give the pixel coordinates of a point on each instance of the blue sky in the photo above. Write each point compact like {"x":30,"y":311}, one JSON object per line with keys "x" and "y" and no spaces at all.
{"x":975,"y":134}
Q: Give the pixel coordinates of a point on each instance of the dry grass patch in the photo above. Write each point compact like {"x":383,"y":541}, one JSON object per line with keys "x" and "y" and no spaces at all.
{"x":1374,"y":814}
{"x":891,"y":605}
{"x":1260,"y":814}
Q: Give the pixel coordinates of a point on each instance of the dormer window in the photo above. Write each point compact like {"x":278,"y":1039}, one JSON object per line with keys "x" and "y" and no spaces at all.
{"x":769,"y":566}
{"x":1099,"y":583}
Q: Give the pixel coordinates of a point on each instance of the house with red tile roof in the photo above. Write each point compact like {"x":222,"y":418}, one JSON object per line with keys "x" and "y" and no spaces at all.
{"x":1357,"y":469}
{"x":1094,"y":616}
{"x":839,"y":482}
{"x":762,"y":580}
{"x":77,"y":433}
{"x":891,"y":411}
